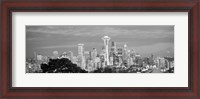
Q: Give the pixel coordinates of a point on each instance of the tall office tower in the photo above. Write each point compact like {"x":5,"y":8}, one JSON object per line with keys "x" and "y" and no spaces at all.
{"x":112,"y":53}
{"x":125,"y":51}
{"x":94,"y":56}
{"x":102,"y":57}
{"x":113,"y":47}
{"x":80,"y":50}
{"x":120,"y":55}
{"x":167,"y":64}
{"x":81,"y":56}
{"x":111,"y":60}
{"x":90,"y":55}
{"x":106,"y":43}
{"x":35,"y":56}
{"x":132,"y":53}
{"x":161,"y":62}
{"x":86,"y":55}
{"x":111,"y":57}
{"x":130,"y":61}
{"x":119,"y":52}
{"x":94,"y":53}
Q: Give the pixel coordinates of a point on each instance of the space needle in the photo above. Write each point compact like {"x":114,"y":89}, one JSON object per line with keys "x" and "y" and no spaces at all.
{"x":106,"y":43}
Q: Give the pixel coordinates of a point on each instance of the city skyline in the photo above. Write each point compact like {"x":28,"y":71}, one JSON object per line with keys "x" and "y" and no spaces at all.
{"x":146,"y":40}
{"x":109,"y":60}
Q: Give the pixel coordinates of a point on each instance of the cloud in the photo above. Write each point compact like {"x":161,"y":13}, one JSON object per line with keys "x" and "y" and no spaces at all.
{"x":142,"y":38}
{"x":57,"y":46}
{"x":34,"y":38}
{"x":102,"y":30}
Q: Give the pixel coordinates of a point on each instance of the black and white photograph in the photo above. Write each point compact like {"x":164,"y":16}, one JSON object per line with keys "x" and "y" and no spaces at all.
{"x":99,"y":48}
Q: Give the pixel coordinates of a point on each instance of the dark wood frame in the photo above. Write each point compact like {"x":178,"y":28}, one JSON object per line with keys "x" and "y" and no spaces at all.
{"x":190,"y":6}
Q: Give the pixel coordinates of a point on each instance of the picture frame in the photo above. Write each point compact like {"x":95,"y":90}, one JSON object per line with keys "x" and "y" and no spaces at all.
{"x":192,"y":7}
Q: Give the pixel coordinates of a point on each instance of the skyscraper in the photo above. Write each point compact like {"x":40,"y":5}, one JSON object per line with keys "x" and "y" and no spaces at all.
{"x":90,"y":55}
{"x":106,"y":43}
{"x":102,"y":57}
{"x":81,"y":56}
{"x":94,"y":53}
{"x":125,"y":51}
{"x":35,"y":56}
{"x":120,"y":55}
{"x":132,"y":52}
{"x":80,"y":50}
{"x":119,"y":52}
{"x":113,"y":53}
{"x":113,"y":47}
{"x":94,"y":58}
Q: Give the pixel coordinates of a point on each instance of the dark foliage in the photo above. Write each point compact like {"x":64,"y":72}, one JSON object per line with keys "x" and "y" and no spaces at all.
{"x":171,"y":70}
{"x":104,"y":70}
{"x":63,"y":65}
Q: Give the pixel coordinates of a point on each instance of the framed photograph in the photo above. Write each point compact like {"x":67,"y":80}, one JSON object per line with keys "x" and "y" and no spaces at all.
{"x":100,"y":49}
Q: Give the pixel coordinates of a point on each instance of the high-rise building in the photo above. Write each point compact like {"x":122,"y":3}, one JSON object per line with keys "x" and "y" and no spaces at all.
{"x":102,"y":61}
{"x":113,"y":47}
{"x":113,"y":53}
{"x":102,"y":57}
{"x":161,"y":62}
{"x":125,"y":51}
{"x":167,"y":64}
{"x":111,"y":60}
{"x":80,"y":50}
{"x":90,"y":55}
{"x":132,"y":53}
{"x":125,"y":47}
{"x":106,"y":43}
{"x":120,"y":52}
{"x":151,"y":60}
{"x":93,"y":58}
{"x":130,"y":61}
{"x":86,"y":54}
{"x":120,"y":56}
{"x":81,"y":55}
{"x":35,"y":56}
{"x":94,"y":53}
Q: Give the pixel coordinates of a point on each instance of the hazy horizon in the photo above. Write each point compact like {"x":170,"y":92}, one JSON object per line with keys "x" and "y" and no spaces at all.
{"x":144,"y":39}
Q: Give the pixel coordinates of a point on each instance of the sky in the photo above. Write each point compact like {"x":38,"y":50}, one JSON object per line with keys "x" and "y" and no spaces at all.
{"x":144,"y":39}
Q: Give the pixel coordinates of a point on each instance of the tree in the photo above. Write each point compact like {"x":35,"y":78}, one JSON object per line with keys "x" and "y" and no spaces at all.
{"x":63,"y":65}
